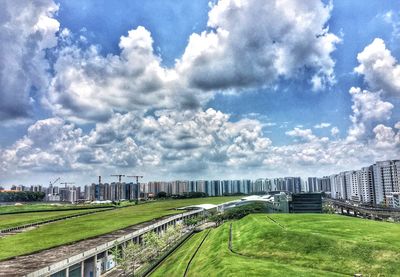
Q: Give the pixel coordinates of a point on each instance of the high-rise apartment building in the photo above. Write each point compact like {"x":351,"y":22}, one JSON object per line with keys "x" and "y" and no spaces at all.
{"x":386,"y":179}
{"x":366,"y":183}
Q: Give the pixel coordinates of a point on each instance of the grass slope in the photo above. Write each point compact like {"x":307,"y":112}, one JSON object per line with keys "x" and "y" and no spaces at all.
{"x":33,"y":207}
{"x":63,"y":232}
{"x":309,"y":245}
{"x":13,"y":220}
{"x":180,"y":257}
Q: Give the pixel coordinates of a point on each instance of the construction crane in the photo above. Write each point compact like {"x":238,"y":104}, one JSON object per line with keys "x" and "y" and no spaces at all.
{"x":119,"y":176}
{"x":55,"y":181}
{"x":137,"y":183}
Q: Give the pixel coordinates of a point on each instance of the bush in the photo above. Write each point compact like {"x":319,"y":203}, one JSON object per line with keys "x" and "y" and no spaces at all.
{"x":161,"y":194}
{"x":238,"y":212}
{"x":23,"y":196}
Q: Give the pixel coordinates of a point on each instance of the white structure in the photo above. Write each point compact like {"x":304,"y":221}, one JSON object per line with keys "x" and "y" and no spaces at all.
{"x":366,"y":183}
{"x":393,"y":200}
{"x":386,"y":179}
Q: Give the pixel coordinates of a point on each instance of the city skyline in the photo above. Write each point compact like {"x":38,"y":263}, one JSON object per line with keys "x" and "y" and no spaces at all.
{"x":174,"y":90}
{"x":377,"y":184}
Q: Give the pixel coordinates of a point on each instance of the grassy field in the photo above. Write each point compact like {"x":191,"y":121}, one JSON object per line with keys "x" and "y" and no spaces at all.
{"x":13,"y":220}
{"x":32,"y":207}
{"x":308,"y":245}
{"x":62,"y":232}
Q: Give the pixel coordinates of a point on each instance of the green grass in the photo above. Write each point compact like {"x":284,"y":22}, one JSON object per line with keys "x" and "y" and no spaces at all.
{"x":309,"y":245}
{"x":180,"y":257}
{"x":33,"y":207}
{"x":14,"y":220}
{"x":63,"y":232}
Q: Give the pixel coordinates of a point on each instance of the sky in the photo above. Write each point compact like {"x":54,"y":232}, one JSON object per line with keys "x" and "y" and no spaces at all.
{"x":196,"y":89}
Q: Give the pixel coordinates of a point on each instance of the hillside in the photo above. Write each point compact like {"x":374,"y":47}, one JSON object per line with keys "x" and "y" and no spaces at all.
{"x":291,"y":245}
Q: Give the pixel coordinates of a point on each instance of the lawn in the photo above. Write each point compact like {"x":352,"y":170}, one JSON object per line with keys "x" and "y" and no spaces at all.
{"x":14,"y":220}
{"x":33,"y":207}
{"x":308,"y":245}
{"x":62,"y":232}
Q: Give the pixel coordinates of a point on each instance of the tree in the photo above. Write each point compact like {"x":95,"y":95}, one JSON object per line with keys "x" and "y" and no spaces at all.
{"x":153,"y":244}
{"x":128,"y":257}
{"x":162,"y":194}
{"x":172,"y":234}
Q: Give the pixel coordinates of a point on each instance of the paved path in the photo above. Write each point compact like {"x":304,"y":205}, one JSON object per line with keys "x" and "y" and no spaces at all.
{"x":23,"y":265}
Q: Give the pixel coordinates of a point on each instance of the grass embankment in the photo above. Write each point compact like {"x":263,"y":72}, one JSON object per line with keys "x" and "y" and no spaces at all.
{"x":180,"y":257}
{"x":308,"y":245}
{"x":14,"y":220}
{"x":35,"y":207}
{"x":68,"y":231}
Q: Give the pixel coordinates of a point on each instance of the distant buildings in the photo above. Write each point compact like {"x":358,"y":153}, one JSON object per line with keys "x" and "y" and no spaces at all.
{"x":226,"y":187}
{"x":114,"y":191}
{"x":377,"y":184}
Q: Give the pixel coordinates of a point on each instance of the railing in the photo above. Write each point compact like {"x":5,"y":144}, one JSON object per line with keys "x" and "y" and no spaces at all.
{"x":61,"y":265}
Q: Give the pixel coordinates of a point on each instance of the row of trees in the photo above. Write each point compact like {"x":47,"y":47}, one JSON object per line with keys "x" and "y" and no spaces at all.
{"x":22,"y":196}
{"x":185,"y":195}
{"x":130,"y":257}
{"x":238,"y":212}
{"x":163,"y":194}
{"x":194,"y":220}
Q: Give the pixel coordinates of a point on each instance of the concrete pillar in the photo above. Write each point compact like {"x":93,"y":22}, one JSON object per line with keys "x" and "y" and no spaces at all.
{"x":95,"y":265}
{"x":67,"y":272}
{"x":82,"y":268}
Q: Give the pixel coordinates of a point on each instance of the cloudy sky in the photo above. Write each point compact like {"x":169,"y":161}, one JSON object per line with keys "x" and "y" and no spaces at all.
{"x":196,"y":89}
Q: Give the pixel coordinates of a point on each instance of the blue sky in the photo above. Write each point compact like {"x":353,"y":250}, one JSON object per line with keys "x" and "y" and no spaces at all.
{"x":172,"y":22}
{"x":93,"y":63}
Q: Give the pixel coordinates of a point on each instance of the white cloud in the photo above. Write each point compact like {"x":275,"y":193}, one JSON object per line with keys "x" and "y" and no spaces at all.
{"x":303,"y":134}
{"x":90,"y":87}
{"x":335,"y":131}
{"x":149,"y":118}
{"x":393,"y":18}
{"x":368,"y":108}
{"x":386,"y":138}
{"x":379,"y":68}
{"x":198,"y":144}
{"x":239,"y":52}
{"x":322,"y":125}
{"x":27,"y":28}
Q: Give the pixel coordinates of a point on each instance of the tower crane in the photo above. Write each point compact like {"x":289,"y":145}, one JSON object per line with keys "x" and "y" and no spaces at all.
{"x":119,"y":176}
{"x":137,"y":183}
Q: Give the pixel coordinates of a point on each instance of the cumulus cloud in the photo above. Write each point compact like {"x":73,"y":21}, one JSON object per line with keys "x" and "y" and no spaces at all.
{"x":235,"y":53}
{"x":379,"y":68}
{"x":152,"y":119}
{"x":368,"y":108}
{"x":386,"y":138}
{"x":27,"y":28}
{"x":238,"y":52}
{"x":89,"y":86}
{"x":171,"y":144}
{"x":49,"y":145}
{"x":302,"y":134}
{"x":169,"y":140}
